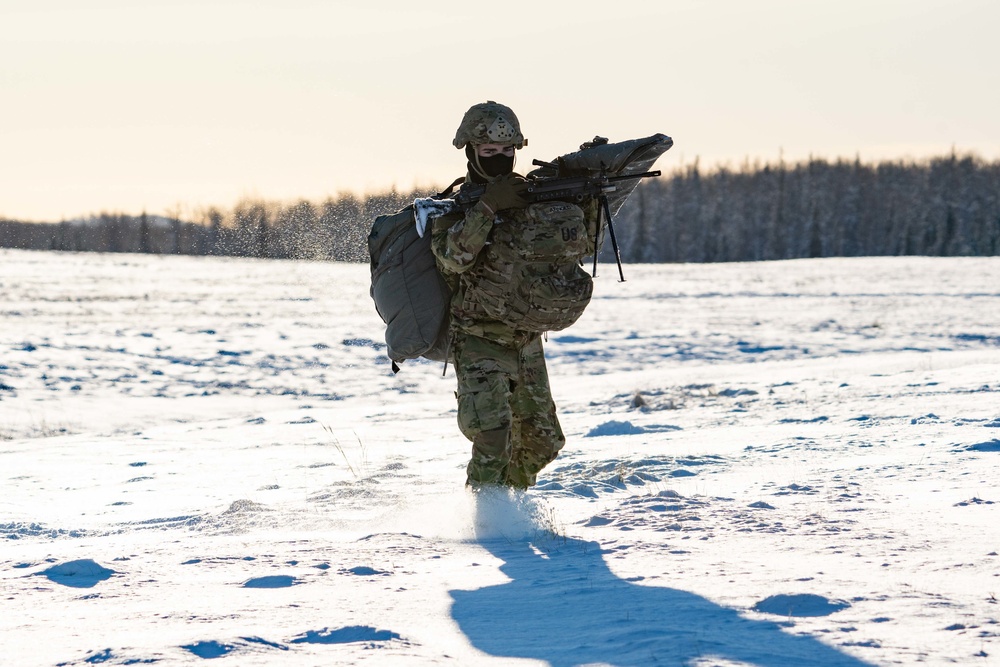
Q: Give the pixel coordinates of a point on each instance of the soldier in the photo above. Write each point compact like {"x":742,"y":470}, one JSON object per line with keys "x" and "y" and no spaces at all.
{"x":514,"y":269}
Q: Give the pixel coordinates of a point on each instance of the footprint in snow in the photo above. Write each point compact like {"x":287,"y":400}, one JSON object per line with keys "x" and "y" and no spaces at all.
{"x":304,"y":420}
{"x":760,"y":504}
{"x":99,"y":657}
{"x":973,"y":501}
{"x":346,"y":635}
{"x":802,"y":605}
{"x":588,"y":479}
{"x":814,"y":420}
{"x":364,"y":571}
{"x":273,"y":581}
{"x":107,"y":655}
{"x":210,"y":649}
{"x":596,"y":520}
{"x":796,"y":488}
{"x":628,"y":428}
{"x":244,"y":506}
{"x":213,"y":649}
{"x":988,"y":446}
{"x":84,"y":573}
{"x":667,"y":510}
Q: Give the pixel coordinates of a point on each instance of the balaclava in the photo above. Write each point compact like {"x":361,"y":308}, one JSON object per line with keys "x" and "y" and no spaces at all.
{"x":484,"y":169}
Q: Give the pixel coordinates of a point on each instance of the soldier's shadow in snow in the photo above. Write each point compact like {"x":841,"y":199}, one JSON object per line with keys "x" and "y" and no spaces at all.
{"x":565,"y":606}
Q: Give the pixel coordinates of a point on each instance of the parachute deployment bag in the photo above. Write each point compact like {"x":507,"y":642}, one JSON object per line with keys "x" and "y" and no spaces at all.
{"x":410,"y":294}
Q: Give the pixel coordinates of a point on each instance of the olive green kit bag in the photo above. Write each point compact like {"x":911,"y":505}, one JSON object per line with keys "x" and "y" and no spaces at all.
{"x":410,"y":295}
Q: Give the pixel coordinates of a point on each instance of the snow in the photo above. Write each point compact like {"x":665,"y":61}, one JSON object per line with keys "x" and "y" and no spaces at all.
{"x":426,"y":209}
{"x":774,"y":464}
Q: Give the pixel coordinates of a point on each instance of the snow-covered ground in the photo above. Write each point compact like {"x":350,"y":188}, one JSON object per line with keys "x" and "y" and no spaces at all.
{"x":773,"y":464}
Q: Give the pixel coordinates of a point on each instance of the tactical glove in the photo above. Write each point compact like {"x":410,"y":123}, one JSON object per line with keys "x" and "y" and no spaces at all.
{"x":505,"y":192}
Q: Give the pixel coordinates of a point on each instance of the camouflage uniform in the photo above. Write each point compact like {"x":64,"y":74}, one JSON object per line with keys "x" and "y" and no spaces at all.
{"x":505,"y":406}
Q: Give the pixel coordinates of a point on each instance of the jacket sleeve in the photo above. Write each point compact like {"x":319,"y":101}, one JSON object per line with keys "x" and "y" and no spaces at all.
{"x":457,"y":244}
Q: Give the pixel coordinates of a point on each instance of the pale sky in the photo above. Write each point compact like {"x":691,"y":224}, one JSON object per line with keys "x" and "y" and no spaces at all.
{"x":166,"y":106}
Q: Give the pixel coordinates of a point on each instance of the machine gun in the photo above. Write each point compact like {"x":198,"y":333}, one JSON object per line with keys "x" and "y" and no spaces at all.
{"x":606,"y":172}
{"x":540,"y":189}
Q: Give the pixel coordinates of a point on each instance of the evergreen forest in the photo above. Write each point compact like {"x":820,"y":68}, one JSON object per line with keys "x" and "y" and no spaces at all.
{"x":946,"y":206}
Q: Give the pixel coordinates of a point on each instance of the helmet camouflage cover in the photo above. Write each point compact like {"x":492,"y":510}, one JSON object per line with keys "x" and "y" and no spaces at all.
{"x":489,"y":123}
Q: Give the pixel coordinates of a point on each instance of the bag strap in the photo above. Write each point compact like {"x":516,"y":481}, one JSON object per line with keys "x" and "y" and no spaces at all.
{"x":448,"y":190}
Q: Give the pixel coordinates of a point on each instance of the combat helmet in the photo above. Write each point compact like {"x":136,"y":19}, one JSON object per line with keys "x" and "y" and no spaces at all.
{"x":489,"y":123}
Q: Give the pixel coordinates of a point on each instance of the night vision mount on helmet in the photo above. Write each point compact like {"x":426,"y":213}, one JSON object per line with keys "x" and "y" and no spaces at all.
{"x":489,"y":123}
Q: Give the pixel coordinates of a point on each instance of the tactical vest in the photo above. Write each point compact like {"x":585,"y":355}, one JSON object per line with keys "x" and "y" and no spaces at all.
{"x":528,"y":275}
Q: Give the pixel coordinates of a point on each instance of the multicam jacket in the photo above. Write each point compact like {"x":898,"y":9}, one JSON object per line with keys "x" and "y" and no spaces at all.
{"x":518,"y":274}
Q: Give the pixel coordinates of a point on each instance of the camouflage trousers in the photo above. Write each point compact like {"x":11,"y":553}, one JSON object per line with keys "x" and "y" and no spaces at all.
{"x":505,"y":408}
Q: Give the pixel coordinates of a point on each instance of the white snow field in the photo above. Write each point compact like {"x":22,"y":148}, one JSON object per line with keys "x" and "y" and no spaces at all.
{"x":773,"y":464}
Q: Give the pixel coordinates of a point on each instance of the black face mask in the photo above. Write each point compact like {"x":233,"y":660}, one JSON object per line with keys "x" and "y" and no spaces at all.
{"x":497,"y":165}
{"x":489,"y":167}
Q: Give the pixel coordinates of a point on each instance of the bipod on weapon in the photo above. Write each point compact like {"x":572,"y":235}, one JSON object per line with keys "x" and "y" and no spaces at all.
{"x":603,"y":200}
{"x":577,"y":188}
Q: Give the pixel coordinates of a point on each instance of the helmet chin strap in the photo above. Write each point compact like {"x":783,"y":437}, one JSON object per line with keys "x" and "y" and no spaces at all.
{"x":478,"y":166}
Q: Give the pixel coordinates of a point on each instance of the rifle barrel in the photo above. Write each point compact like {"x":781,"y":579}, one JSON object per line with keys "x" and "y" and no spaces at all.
{"x":645,"y":174}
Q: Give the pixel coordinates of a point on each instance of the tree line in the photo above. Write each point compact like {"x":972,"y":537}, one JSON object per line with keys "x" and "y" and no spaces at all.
{"x":943,"y":206}
{"x":818,"y":208}
{"x":334,"y":230}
